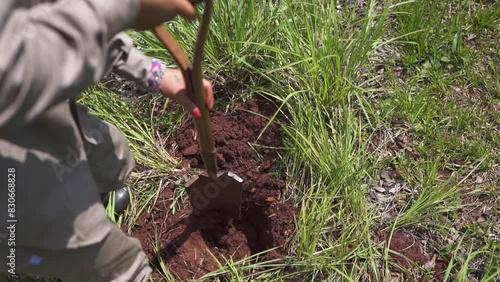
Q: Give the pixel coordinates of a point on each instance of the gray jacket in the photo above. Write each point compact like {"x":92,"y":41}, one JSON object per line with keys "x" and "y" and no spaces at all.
{"x":50,"y":52}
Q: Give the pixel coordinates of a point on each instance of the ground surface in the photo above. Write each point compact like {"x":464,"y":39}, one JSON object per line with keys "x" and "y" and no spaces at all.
{"x":185,"y":240}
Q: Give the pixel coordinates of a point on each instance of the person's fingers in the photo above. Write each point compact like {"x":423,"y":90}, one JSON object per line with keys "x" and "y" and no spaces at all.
{"x":186,"y":10}
{"x":209,"y":94}
{"x":172,"y":86}
{"x":184,"y":100}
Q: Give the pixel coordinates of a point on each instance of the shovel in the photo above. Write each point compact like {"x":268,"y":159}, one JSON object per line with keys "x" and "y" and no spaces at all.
{"x":211,"y":191}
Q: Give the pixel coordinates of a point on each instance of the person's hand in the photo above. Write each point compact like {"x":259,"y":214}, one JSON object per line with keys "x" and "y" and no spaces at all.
{"x":172,"y":86}
{"x":155,"y":12}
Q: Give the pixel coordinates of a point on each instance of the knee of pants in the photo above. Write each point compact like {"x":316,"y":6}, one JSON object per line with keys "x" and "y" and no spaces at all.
{"x":112,"y":163}
{"x":117,"y":257}
{"x":108,"y":152}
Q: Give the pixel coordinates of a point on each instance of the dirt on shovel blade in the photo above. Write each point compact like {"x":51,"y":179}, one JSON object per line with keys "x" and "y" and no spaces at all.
{"x":266,"y":222}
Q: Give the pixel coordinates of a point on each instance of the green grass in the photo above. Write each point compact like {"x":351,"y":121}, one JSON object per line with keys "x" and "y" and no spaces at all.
{"x":411,"y":86}
{"x":321,"y":62}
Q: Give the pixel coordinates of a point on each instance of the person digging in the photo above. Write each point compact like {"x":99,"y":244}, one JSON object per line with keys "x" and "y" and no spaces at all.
{"x":58,"y":159}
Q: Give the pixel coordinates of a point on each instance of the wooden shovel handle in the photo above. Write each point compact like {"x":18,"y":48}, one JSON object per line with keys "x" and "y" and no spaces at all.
{"x":193,"y":76}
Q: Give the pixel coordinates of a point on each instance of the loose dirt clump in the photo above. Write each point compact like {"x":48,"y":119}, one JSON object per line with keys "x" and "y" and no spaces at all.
{"x":409,"y":253}
{"x":186,"y":240}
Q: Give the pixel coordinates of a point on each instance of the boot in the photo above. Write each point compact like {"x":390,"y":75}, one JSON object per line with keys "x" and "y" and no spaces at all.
{"x":122,"y":199}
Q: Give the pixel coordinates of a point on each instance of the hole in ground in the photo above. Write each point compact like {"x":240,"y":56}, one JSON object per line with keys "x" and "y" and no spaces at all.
{"x":185,"y":240}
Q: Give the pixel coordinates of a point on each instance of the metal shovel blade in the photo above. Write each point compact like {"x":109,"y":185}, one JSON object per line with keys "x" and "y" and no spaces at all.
{"x":220,"y":193}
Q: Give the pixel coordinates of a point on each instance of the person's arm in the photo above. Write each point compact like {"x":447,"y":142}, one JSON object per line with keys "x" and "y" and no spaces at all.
{"x":128,"y":62}
{"x":150,"y":73}
{"x":53,"y":51}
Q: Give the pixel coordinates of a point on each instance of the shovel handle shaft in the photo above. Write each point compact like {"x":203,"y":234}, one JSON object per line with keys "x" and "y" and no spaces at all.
{"x":193,"y":77}
{"x":203,"y":124}
{"x":173,"y":47}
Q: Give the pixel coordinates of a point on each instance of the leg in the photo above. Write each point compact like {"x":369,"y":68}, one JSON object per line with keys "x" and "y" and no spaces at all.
{"x":117,"y":258}
{"x":107,"y":151}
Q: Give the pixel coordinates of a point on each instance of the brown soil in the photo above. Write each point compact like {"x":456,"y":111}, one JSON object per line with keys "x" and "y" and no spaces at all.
{"x":410,"y":251}
{"x":186,"y":240}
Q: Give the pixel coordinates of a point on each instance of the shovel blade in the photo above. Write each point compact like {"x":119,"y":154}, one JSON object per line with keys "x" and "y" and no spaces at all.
{"x":221,"y":193}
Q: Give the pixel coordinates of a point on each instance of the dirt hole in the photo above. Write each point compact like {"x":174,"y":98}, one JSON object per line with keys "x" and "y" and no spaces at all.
{"x":185,"y":240}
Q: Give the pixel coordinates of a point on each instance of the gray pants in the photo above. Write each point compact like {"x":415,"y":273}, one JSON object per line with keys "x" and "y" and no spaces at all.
{"x":118,"y":257}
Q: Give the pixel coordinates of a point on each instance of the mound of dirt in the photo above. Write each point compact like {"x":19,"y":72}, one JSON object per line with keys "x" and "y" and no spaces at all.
{"x":408,"y":250}
{"x":186,"y":240}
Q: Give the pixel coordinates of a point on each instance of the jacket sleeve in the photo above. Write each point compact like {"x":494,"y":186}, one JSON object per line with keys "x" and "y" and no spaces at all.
{"x":128,"y":62}
{"x":53,"y":51}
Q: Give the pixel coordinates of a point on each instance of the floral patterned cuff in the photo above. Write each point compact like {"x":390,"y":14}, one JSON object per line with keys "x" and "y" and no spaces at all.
{"x":155,"y":75}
